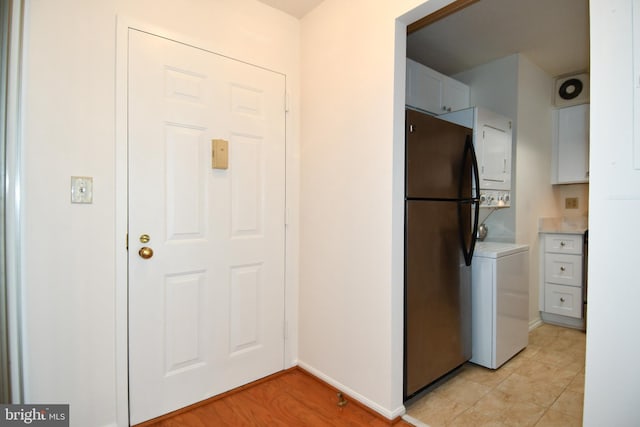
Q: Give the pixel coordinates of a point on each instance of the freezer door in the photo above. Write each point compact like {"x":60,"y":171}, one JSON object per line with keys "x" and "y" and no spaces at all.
{"x":436,"y":166}
{"x":437,"y":293}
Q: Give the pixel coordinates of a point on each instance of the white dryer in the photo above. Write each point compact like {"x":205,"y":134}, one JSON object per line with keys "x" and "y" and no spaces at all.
{"x":493,"y":141}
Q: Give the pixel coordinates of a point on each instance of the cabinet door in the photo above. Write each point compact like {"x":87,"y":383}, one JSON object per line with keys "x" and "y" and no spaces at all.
{"x":572,"y":144}
{"x":455,"y":95}
{"x":424,"y":87}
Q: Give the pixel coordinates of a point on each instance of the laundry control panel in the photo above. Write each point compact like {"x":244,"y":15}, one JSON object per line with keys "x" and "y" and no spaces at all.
{"x":495,"y":199}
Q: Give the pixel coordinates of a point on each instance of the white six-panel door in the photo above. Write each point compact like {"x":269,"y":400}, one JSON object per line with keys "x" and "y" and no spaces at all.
{"x":206,"y":308}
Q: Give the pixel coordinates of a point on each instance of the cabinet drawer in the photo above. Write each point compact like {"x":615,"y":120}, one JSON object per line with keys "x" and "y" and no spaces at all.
{"x":563,"y":243}
{"x":563,"y":300}
{"x":563,"y":269}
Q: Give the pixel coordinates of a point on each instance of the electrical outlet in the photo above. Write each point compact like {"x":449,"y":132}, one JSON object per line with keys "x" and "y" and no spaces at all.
{"x":571,"y":203}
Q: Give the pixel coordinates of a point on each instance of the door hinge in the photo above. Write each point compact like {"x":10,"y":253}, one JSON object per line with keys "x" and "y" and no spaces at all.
{"x":285,"y":329}
{"x":126,"y":242}
{"x":286,"y":102}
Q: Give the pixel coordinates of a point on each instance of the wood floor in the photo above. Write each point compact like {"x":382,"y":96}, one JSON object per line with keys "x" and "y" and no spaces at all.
{"x":290,"y":398}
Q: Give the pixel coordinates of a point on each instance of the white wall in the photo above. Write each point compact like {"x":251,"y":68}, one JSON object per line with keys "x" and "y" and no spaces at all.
{"x":75,"y":344}
{"x":494,"y":86}
{"x":351,"y":281}
{"x":612,"y":372}
{"x":579,"y":191}
{"x":516,"y":87}
{"x":533,"y":167}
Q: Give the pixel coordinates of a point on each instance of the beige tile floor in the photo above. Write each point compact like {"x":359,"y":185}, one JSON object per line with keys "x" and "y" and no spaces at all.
{"x":541,"y":386}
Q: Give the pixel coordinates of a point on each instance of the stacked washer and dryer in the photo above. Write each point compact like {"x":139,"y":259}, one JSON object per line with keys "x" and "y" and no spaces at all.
{"x":500,"y":271}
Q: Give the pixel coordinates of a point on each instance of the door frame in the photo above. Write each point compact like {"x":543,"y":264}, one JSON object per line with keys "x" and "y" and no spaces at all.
{"x":123,"y":25}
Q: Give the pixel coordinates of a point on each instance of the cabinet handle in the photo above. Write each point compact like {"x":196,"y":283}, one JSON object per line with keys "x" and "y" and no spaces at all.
{"x":562,"y":243}
{"x":561,"y":299}
{"x":562,"y":268}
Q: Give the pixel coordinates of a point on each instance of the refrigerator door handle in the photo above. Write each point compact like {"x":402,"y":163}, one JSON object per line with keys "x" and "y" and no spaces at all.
{"x":475,"y":199}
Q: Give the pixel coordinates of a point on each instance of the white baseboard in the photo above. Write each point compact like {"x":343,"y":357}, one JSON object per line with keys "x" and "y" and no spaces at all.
{"x":414,"y":421}
{"x":535,"y":323}
{"x":568,"y":322}
{"x":353,"y":394}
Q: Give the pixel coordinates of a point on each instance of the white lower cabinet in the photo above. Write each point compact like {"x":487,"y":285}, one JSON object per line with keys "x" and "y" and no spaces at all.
{"x":561,"y":290}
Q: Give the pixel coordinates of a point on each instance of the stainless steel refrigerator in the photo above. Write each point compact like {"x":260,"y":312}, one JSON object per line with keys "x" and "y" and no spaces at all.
{"x":441,"y":218}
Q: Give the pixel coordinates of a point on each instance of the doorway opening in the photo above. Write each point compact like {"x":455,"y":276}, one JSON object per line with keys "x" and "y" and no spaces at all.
{"x":511,"y":56}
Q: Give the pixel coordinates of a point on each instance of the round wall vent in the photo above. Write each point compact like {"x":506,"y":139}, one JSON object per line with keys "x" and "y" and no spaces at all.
{"x":570,"y":89}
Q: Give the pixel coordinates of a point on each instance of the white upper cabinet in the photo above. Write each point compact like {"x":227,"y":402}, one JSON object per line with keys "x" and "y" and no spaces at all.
{"x":455,"y":95}
{"x":431,"y":91}
{"x":570,"y":162}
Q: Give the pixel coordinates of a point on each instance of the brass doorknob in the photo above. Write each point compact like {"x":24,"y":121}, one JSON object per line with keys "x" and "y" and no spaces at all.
{"x":145,"y":252}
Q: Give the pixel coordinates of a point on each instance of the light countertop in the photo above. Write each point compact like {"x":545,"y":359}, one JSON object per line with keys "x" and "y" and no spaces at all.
{"x":498,"y":249}
{"x":564,"y":225}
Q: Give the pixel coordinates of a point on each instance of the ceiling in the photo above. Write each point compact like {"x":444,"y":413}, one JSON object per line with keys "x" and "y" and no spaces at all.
{"x":297,"y":8}
{"x":554,"y":34}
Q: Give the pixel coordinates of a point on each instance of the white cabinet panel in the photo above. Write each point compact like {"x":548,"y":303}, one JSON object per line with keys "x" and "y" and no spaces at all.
{"x":563,"y":300}
{"x":563,"y":269}
{"x":431,"y":91}
{"x":571,"y":145}
{"x":563,"y":243}
{"x":424,"y":87}
{"x":455,"y":95}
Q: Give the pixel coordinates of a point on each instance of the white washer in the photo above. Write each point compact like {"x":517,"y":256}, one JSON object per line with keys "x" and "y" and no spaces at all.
{"x":499,"y":302}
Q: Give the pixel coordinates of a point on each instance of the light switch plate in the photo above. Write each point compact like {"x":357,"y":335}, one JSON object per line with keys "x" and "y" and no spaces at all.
{"x":81,"y":189}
